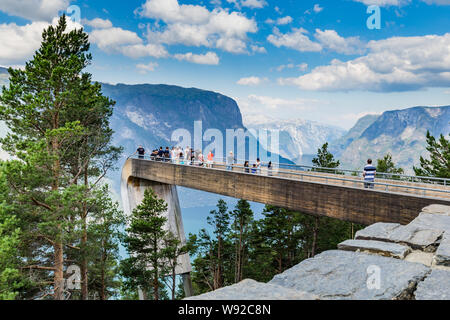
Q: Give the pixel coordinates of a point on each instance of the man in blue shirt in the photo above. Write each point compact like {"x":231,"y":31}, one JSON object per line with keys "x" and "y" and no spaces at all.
{"x":369,"y":174}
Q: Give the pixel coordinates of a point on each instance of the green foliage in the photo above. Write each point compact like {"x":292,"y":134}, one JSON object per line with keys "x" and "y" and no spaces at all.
{"x":386,"y":165}
{"x":325,"y":159}
{"x":59,"y":135}
{"x":438,"y":164}
{"x":153,"y":250}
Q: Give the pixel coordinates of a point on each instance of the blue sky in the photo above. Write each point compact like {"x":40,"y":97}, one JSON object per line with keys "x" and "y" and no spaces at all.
{"x":315,"y":60}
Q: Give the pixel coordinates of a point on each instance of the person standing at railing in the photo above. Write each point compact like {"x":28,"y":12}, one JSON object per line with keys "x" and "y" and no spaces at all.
{"x":369,"y":175}
{"x":201,"y":159}
{"x":187,"y":154}
{"x":230,"y":161}
{"x":258,"y":166}
{"x":210,"y":159}
{"x":140,"y":151}
{"x":269,"y":169}
{"x":246,"y":167}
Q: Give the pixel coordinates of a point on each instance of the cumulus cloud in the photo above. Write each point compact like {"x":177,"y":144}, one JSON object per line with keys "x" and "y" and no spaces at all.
{"x":280,"y":21}
{"x":258,"y":49}
{"x":251,"y":81}
{"x":98,"y":23}
{"x":18,"y":43}
{"x":331,"y":40}
{"x":145,"y":68}
{"x":195,"y":25}
{"x":317,"y":8}
{"x":394,"y":64}
{"x":128,"y":43}
{"x":300,"y":67}
{"x":209,"y":58}
{"x":255,"y":4}
{"x":399,"y":3}
{"x":257,"y":105}
{"x":296,"y":39}
{"x":34,"y":10}
{"x":299,"y":40}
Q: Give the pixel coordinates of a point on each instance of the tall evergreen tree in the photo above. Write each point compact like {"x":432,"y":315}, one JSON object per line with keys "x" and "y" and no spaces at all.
{"x":386,"y":165}
{"x":438,"y":164}
{"x":242,"y":218}
{"x":151,"y":247}
{"x":59,"y":134}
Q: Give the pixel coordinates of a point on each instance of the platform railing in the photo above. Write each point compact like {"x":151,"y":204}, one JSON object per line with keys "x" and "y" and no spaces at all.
{"x":395,"y":186}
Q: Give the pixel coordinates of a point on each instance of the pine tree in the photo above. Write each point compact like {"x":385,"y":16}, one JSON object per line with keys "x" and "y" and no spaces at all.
{"x":438,"y":164}
{"x":325,"y":159}
{"x":59,"y":132}
{"x":242,"y":219}
{"x":220,"y":219}
{"x":386,"y":165}
{"x":150,"y":247}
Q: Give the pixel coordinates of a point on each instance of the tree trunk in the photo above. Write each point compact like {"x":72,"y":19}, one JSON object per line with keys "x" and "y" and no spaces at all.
{"x":84,"y":239}
{"x":103,"y":283}
{"x":315,"y":231}
{"x":59,"y":271}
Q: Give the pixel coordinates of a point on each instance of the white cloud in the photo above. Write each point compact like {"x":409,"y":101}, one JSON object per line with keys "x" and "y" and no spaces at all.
{"x":334,"y":42}
{"x":317,"y":8}
{"x":34,"y":10}
{"x":384,"y":3}
{"x":18,"y":43}
{"x":209,"y":58}
{"x":111,"y":38}
{"x":255,"y":4}
{"x":258,"y":49}
{"x":194,"y":25}
{"x":297,"y":39}
{"x":251,"y":81}
{"x":394,"y":64}
{"x":301,"y":67}
{"x":267,"y":105}
{"x":399,"y":3}
{"x":98,"y":23}
{"x":145,"y":68}
{"x":128,"y":43}
{"x":280,"y":21}
{"x":144,"y":50}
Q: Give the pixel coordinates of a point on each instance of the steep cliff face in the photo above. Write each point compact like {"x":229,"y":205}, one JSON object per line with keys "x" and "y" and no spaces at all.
{"x":401,"y":133}
{"x":149,"y":114}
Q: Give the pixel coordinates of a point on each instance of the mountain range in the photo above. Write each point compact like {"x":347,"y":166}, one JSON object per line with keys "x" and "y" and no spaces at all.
{"x":148,"y":114}
{"x":399,"y":132}
{"x":299,"y":139}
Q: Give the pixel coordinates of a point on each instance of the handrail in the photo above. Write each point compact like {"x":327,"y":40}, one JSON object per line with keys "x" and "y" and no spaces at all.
{"x":327,"y":178}
{"x":388,"y":176}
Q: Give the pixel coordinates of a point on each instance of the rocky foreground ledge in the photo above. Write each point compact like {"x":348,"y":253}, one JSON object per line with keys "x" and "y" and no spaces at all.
{"x":385,"y":261}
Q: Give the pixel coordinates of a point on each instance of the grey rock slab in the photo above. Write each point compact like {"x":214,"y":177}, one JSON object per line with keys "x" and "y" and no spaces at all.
{"x":352,"y":275}
{"x":417,"y":237}
{"x":379,"y":247}
{"x":432,"y":221}
{"x":436,"y":286}
{"x":437,"y":209}
{"x":442,"y":255}
{"x":377,"y":231}
{"x":253,"y":290}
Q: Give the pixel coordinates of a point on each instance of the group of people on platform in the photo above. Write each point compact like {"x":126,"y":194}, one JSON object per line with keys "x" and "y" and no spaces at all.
{"x":190,"y":157}
{"x":178,"y":155}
